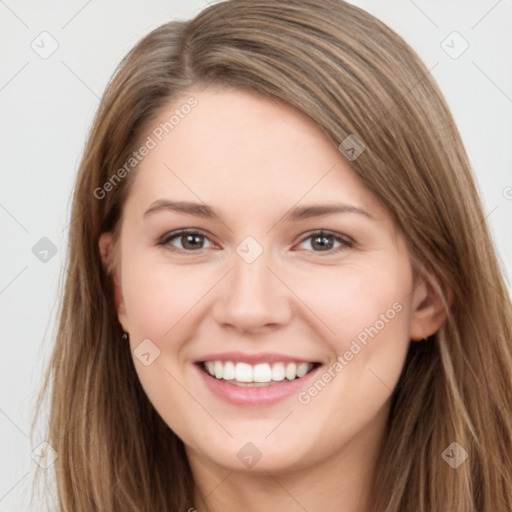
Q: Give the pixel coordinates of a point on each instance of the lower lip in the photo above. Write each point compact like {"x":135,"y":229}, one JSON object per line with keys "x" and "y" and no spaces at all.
{"x":254,"y":396}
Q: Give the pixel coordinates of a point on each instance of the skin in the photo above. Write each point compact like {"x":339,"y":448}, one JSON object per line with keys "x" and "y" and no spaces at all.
{"x":253,"y":161}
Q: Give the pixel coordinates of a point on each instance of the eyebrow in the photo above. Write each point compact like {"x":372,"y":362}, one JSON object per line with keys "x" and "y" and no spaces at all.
{"x":300,"y":213}
{"x":306,"y":212}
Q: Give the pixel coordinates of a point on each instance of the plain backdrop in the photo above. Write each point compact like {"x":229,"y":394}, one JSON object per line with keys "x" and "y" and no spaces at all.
{"x":47,"y":104}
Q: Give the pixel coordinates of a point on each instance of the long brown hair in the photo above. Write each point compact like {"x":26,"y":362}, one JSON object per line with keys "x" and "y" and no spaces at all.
{"x":351,"y":75}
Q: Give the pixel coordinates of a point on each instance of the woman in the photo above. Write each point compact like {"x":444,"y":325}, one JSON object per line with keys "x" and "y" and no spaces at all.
{"x":281,"y":291}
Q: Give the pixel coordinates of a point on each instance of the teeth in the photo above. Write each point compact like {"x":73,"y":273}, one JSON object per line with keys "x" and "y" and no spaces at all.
{"x":291,"y":371}
{"x":228,"y":372}
{"x":302,"y":369}
{"x":278,"y":372}
{"x":262,"y":373}
{"x":259,"y":373}
{"x":243,"y":372}
{"x":218,"y":370}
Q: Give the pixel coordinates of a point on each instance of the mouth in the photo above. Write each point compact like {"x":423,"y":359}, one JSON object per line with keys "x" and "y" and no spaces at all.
{"x":257,"y":375}
{"x":240,"y":383}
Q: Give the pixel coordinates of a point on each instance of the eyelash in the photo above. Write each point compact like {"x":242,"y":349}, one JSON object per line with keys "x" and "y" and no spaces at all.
{"x":342,"y":239}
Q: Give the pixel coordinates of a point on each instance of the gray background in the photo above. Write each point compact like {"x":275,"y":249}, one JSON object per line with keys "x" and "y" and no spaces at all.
{"x":47,"y":107}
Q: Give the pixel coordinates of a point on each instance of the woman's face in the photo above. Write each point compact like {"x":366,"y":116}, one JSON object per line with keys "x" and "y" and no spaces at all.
{"x":289,"y":265}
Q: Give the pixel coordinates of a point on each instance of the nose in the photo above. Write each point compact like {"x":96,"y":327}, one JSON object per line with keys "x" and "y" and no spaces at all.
{"x":252,"y":298}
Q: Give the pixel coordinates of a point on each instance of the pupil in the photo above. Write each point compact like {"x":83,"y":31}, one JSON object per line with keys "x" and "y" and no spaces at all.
{"x":191,"y":241}
{"x":323,"y":242}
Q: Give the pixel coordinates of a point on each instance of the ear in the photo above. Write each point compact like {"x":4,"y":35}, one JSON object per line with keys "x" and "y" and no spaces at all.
{"x":110,"y":264}
{"x":428,"y":310}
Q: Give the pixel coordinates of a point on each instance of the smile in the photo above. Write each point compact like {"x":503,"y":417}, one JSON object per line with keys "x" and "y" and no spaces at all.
{"x":257,"y":375}
{"x":240,"y":383}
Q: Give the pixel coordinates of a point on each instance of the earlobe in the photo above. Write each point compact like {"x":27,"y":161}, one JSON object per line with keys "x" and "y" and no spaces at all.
{"x":108,"y":259}
{"x":429,"y":310}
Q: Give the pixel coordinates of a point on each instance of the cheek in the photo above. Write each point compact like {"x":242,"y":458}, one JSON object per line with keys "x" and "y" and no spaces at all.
{"x":356,"y":301}
{"x":365,"y":320}
{"x":158,"y":296}
{"x":160,"y":301}
{"x":364,"y":317}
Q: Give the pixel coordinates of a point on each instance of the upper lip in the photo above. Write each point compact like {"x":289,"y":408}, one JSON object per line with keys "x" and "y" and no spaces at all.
{"x":262,"y":357}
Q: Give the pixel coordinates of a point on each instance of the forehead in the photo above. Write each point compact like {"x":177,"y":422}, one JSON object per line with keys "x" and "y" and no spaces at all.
{"x":246,"y":151}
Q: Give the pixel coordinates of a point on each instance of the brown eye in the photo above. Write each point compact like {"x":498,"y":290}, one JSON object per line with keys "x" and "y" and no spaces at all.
{"x":185,"y":241}
{"x":322,"y":242}
{"x":190,"y":241}
{"x":325,"y":242}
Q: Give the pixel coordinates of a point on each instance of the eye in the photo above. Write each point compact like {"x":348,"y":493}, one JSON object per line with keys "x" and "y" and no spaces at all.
{"x":189,"y":240}
{"x":326,"y":241}
{"x":185,"y":240}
